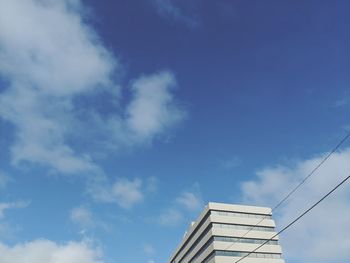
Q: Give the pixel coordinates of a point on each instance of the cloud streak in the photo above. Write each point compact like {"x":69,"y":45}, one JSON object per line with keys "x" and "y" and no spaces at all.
{"x":126,"y":193}
{"x":12,"y":205}
{"x":169,"y":10}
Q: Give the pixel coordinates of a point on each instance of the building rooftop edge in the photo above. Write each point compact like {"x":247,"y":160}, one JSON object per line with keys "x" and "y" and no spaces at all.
{"x":239,"y":207}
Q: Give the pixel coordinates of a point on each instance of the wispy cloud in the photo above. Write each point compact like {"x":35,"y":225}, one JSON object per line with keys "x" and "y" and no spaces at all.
{"x":325,"y":223}
{"x":149,"y":249}
{"x":189,"y":201}
{"x":152,"y":184}
{"x":341,"y":102}
{"x":4,"y":180}
{"x":230,"y":163}
{"x":169,"y":10}
{"x":82,"y":216}
{"x":170,"y":217}
{"x":50,"y":252}
{"x":125,"y":192}
{"x":12,"y":205}
{"x":86,"y":220}
{"x":7,"y":230}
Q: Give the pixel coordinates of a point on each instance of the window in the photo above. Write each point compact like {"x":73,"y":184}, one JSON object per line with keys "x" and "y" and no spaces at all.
{"x":239,"y":214}
{"x":245,"y":227}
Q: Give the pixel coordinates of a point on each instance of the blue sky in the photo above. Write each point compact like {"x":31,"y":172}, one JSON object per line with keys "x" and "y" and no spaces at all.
{"x":120,"y":119}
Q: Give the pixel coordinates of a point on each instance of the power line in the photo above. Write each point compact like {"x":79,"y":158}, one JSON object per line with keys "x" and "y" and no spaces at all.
{"x":313,"y":171}
{"x":297,"y":219}
{"x":297,"y":186}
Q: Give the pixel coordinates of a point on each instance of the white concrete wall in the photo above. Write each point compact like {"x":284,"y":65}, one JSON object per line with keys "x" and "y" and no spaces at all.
{"x":228,"y":232}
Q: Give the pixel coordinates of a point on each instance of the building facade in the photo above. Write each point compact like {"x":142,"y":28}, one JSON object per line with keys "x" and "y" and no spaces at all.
{"x":223,"y":233}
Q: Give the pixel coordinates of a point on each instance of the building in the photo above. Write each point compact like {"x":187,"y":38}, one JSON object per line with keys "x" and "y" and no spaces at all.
{"x":220,"y":235}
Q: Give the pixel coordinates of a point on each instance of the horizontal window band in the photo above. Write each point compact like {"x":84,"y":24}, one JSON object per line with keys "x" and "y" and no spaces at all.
{"x":240,"y":214}
{"x":229,"y":239}
{"x":244,"y":227}
{"x":245,"y":240}
{"x":241,"y":254}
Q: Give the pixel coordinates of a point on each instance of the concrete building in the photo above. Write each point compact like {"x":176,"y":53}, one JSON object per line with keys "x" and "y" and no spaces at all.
{"x":216,"y":236}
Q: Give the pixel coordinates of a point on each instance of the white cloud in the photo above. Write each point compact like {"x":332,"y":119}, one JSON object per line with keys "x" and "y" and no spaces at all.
{"x":12,"y":205}
{"x":325,"y":231}
{"x":126,"y":193}
{"x":170,"y":217}
{"x":50,"y":57}
{"x":190,"y":201}
{"x":86,"y":220}
{"x":59,"y":57}
{"x":50,"y":252}
{"x":152,"y":109}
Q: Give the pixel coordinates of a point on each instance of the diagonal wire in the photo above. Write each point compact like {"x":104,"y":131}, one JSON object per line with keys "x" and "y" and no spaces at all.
{"x":298,"y":218}
{"x":297,"y":186}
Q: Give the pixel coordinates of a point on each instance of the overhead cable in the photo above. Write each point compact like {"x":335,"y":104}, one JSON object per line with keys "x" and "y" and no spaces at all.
{"x":297,"y":219}
{"x":297,"y":186}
